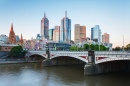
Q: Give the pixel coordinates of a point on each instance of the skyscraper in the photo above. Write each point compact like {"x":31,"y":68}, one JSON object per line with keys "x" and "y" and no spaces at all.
{"x":45,"y":27}
{"x":12,"y":38}
{"x":65,"y":31}
{"x":105,"y":38}
{"x":96,"y":33}
{"x":80,"y":33}
{"x":56,"y":34}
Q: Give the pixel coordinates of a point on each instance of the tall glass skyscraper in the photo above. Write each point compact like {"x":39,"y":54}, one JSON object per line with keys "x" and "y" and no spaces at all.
{"x":45,"y":27}
{"x":65,"y":31}
{"x":96,"y":33}
{"x":51,"y":34}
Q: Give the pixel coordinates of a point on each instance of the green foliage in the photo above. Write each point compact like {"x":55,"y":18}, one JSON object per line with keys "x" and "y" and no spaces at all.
{"x":87,"y":47}
{"x":17,"y":51}
{"x":127,"y":47}
{"x":74,"y":48}
{"x":117,"y":48}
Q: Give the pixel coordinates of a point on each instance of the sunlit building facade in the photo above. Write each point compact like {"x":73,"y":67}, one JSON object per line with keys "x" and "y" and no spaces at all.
{"x":79,"y":33}
{"x":45,"y":27}
{"x":56,"y":34}
{"x":105,"y":38}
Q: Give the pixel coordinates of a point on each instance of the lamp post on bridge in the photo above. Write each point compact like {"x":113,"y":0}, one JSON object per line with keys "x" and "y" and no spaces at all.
{"x":123,"y":43}
{"x":47,"y":52}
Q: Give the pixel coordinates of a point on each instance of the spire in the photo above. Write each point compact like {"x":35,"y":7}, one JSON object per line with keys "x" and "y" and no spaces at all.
{"x":65,"y":13}
{"x":44,"y":14}
{"x":11,"y":27}
{"x":12,"y":38}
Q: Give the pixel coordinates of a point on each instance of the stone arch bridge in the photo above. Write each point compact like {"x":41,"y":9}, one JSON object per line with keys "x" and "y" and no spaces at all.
{"x":104,"y":61}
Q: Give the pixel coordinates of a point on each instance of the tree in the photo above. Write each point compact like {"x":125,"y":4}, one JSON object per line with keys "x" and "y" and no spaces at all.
{"x":74,"y":48}
{"x":86,"y":47}
{"x":117,"y":48}
{"x":17,"y":51}
{"x":127,"y":47}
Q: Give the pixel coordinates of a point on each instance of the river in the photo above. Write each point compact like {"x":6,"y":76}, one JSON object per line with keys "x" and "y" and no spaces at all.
{"x":34,"y":74}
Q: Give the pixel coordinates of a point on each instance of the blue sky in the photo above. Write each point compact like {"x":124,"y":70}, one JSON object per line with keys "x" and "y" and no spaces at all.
{"x":113,"y":16}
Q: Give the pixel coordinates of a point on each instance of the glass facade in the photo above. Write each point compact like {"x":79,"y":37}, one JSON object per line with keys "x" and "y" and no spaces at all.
{"x":65,"y":31}
{"x":58,"y":46}
{"x":51,"y":34}
{"x":96,"y":33}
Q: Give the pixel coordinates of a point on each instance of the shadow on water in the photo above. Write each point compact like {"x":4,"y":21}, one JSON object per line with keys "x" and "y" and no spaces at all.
{"x":34,"y":74}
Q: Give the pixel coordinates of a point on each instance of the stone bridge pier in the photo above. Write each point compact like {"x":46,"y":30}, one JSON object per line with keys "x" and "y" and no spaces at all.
{"x":91,"y":68}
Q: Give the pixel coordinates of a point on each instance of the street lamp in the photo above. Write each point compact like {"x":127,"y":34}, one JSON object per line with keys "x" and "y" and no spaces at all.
{"x":47,"y":52}
{"x":123,"y":43}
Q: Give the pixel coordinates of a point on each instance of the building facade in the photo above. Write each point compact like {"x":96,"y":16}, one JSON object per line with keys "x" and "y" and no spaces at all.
{"x":51,"y":34}
{"x":79,"y":33}
{"x":65,"y":31}
{"x":105,"y":38}
{"x":17,"y":38}
{"x":56,"y":34}
{"x":45,"y":27}
{"x":96,"y":33}
{"x":12,"y":38}
{"x":4,"y":38}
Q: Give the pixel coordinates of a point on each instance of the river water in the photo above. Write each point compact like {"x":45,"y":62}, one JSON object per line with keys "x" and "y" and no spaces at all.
{"x":34,"y":74}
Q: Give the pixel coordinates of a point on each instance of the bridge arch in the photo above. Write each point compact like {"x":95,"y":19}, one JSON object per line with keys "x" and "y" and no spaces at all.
{"x":37,"y":57}
{"x":76,"y":57}
{"x":109,"y":59}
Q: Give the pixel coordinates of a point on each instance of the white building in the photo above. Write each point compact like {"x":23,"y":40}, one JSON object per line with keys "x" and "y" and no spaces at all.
{"x":4,"y":39}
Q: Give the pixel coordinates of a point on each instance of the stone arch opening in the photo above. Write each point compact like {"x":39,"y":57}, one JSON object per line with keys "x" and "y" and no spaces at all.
{"x":66,"y":60}
{"x":114,"y":66}
{"x":37,"y":57}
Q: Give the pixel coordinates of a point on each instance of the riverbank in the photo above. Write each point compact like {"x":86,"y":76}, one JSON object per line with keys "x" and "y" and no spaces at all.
{"x":17,"y":61}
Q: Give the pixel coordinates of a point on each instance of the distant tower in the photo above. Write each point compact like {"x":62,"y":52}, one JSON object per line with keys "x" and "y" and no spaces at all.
{"x":21,"y":40}
{"x":105,"y":38}
{"x":65,"y":31}
{"x":45,"y":27}
{"x":12,"y":38}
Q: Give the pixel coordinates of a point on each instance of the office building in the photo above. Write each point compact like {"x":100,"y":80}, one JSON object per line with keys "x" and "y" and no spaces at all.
{"x":45,"y":27}
{"x":79,"y":33}
{"x":51,"y":34}
{"x":65,"y":31}
{"x":105,"y":38}
{"x":96,"y":33}
{"x":56,"y":34}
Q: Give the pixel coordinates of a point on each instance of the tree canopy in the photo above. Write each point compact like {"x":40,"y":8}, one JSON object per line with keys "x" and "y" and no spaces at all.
{"x":89,"y":47}
{"x":17,"y":51}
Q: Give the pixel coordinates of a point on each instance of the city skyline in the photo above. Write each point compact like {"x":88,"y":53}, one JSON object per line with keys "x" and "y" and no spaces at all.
{"x":112,"y":16}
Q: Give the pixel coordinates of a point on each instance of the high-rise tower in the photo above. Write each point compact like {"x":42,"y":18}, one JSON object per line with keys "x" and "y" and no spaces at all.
{"x":65,"y":31}
{"x":12,"y":38}
{"x":105,"y":38}
{"x":96,"y":33}
{"x":45,"y":27}
{"x":80,"y":33}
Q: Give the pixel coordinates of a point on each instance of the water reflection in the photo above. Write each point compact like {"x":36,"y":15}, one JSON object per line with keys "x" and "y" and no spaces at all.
{"x":34,"y":74}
